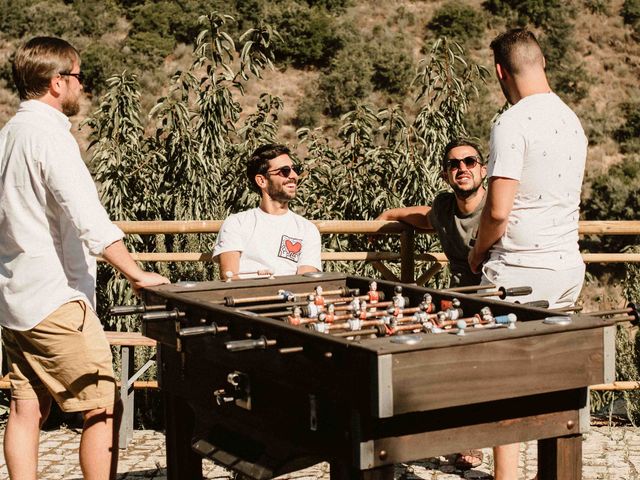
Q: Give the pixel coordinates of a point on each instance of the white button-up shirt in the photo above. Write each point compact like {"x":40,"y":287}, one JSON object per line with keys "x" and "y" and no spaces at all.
{"x":52,"y":225}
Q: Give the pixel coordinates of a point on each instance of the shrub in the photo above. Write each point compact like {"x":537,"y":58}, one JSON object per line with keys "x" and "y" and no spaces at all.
{"x":630,"y":12}
{"x":458,"y":21}
{"x":151,"y":47}
{"x":348,"y":81}
{"x":52,"y":18}
{"x":14,"y":19}
{"x":600,"y":7}
{"x":393,"y":65}
{"x":309,"y":35}
{"x":628,"y":135}
{"x":99,"y":62}
{"x":97,"y":16}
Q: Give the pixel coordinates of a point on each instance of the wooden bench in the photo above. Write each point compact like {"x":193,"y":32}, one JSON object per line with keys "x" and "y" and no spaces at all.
{"x":127,"y":341}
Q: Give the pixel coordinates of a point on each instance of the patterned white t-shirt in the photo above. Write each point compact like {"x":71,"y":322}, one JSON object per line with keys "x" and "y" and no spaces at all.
{"x":540,"y":142}
{"x":279,"y":243}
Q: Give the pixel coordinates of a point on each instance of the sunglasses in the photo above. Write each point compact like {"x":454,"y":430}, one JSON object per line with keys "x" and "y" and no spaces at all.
{"x":454,"y":163}
{"x":79,"y":76}
{"x":285,"y":171}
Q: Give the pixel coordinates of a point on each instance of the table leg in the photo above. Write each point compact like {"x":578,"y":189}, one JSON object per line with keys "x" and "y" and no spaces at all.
{"x":560,"y":458}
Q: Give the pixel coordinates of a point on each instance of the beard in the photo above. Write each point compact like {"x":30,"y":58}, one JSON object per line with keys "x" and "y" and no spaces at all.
{"x":278,"y":192}
{"x":466,"y":192}
{"x":71,"y":106}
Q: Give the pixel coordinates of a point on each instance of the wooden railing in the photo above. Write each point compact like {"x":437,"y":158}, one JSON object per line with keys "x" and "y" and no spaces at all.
{"x":406,"y":256}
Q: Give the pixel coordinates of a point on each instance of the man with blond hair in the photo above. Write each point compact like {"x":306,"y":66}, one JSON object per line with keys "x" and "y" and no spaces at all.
{"x":528,"y":231}
{"x":52,"y":228}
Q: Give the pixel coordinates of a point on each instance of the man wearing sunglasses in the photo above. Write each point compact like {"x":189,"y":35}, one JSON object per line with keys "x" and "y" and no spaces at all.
{"x":52,"y":228}
{"x":528,"y":233}
{"x":454,"y":215}
{"x":270,"y":238}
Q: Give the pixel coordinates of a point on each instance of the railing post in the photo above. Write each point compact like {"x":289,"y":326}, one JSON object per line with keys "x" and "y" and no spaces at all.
{"x":407,"y":256}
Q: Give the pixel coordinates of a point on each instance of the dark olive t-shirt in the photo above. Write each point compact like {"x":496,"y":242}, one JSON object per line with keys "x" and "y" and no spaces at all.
{"x":456,"y":233}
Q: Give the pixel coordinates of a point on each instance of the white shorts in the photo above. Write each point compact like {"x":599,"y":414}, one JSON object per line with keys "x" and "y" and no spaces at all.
{"x":560,"y":288}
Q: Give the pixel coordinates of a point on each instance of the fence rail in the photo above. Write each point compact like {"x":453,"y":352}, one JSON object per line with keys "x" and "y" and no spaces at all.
{"x":406,"y":256}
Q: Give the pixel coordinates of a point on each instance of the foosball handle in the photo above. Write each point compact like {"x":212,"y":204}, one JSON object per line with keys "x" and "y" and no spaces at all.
{"x":251,"y":344}
{"x":537,"y":303}
{"x":514,"y":292}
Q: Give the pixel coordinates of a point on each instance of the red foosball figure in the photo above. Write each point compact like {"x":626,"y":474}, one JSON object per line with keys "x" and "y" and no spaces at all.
{"x":319,"y":299}
{"x":373,"y":294}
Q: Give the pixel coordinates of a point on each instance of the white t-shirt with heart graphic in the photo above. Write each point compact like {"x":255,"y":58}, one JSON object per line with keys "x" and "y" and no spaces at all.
{"x":279,"y":243}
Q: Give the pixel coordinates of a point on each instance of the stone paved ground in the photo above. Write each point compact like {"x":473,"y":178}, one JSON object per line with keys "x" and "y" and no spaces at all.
{"x":609,"y":453}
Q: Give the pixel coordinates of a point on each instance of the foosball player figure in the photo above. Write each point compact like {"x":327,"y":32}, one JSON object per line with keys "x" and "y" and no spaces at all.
{"x":373,"y":294}
{"x":355,"y":305}
{"x":295,"y":317}
{"x":312,"y":307}
{"x":329,"y":316}
{"x":362,"y":313}
{"x":427,"y":301}
{"x":398,"y":299}
{"x":318,"y":298}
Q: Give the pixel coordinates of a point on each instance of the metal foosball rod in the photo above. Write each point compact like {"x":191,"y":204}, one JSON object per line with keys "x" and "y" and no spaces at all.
{"x":470,"y":288}
{"x":631,"y":310}
{"x":283,"y":295}
{"x":258,"y":273}
{"x":135,"y":309}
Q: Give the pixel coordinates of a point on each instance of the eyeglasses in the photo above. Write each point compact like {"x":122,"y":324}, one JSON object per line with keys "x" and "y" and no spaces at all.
{"x":286,"y":171}
{"x":470,"y":162}
{"x":79,"y":76}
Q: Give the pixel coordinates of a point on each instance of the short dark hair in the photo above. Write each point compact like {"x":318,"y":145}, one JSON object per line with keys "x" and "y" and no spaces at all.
{"x":259,"y":161}
{"x":460,"y":142}
{"x":508,"y":49}
{"x":38,"y":61}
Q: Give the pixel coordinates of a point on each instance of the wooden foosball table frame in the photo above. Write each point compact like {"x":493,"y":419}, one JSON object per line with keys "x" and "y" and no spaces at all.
{"x":299,"y":397}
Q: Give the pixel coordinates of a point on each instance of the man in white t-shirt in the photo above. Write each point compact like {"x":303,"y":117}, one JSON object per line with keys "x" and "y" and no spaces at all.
{"x":270,"y":238}
{"x":528,"y":231}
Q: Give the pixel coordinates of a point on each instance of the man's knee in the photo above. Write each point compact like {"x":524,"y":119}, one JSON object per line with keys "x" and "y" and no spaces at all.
{"x":103,"y":414}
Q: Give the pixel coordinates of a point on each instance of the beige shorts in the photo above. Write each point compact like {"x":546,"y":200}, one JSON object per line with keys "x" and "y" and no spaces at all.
{"x":67,"y":355}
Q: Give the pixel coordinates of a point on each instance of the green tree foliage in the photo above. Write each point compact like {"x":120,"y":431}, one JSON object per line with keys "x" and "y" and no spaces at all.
{"x":392,"y":62}
{"x":458,"y":21}
{"x":310,"y":34}
{"x":631,"y":12}
{"x":628,"y":135}
{"x":347,"y":82}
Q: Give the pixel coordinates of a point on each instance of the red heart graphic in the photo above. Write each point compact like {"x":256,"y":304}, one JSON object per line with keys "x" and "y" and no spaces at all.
{"x":293,"y":247}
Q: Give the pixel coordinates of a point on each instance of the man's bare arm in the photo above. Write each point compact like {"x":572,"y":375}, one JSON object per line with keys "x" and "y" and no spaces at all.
{"x":229,"y":262}
{"x":416,"y":216}
{"x":118,"y":256}
{"x":494,"y":218}
{"x":306,"y":269}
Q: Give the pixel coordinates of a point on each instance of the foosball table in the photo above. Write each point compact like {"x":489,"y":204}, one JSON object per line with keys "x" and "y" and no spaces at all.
{"x":270,"y":376}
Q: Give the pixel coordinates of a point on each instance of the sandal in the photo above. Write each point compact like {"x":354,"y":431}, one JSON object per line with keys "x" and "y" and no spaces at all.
{"x":468,"y":459}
